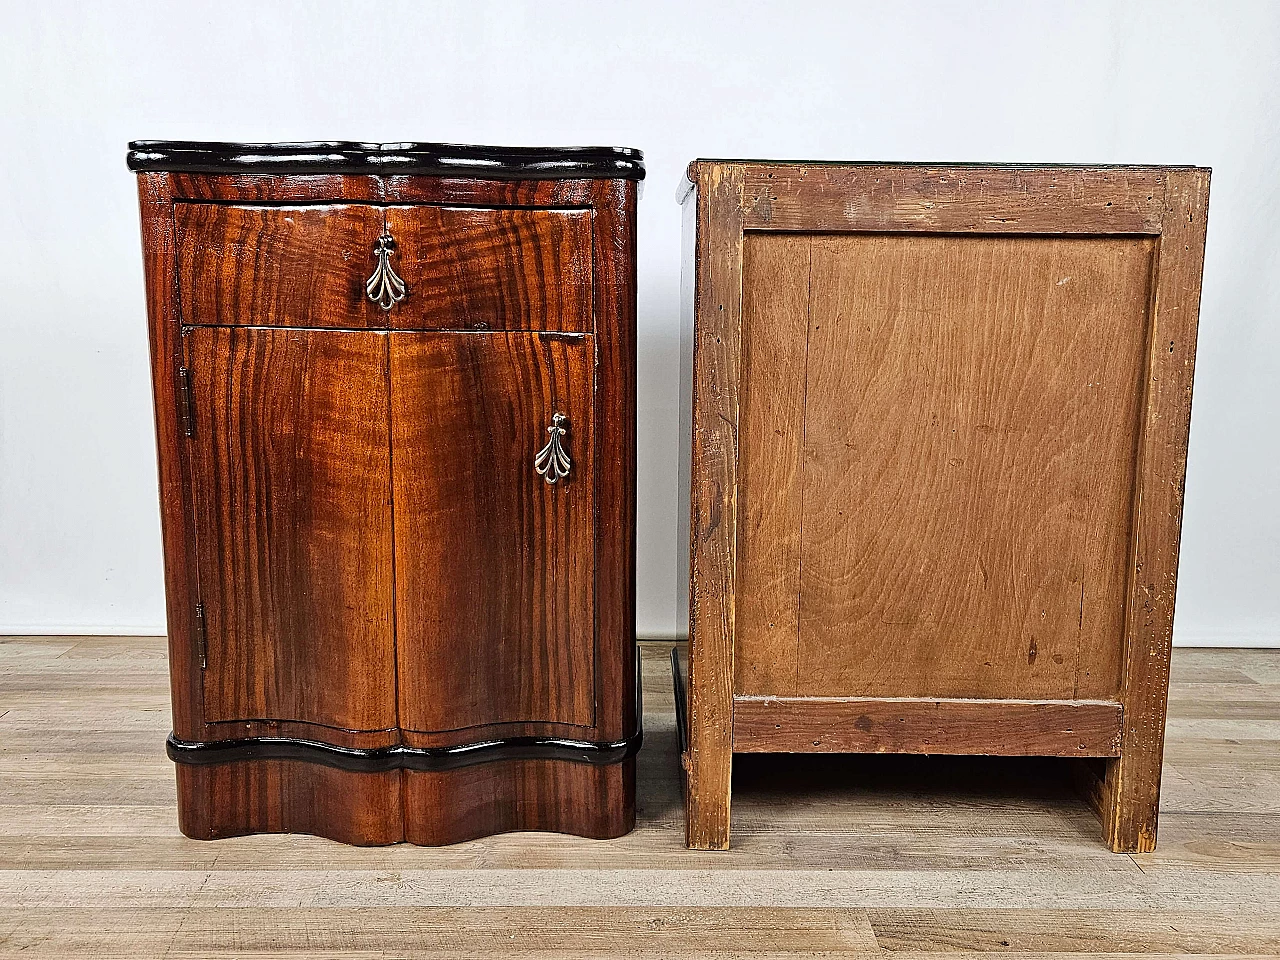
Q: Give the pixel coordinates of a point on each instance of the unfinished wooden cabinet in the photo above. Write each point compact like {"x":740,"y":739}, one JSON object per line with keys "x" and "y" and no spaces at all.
{"x":395,"y":406}
{"x":938,"y":426}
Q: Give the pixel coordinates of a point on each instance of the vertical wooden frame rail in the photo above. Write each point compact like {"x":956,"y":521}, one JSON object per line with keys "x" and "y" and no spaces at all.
{"x":717,"y":326}
{"x":1118,"y":737}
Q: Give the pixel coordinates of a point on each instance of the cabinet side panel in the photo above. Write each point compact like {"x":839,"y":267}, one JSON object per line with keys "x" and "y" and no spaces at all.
{"x":290,"y":462}
{"x":688,"y":279}
{"x":775,"y":337}
{"x":494,"y":566}
{"x":158,"y":247}
{"x":970,"y":444}
{"x":613,"y":256}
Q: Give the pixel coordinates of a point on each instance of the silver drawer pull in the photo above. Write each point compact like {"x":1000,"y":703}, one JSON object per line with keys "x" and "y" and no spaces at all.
{"x":385,"y":288}
{"x":552,"y":463}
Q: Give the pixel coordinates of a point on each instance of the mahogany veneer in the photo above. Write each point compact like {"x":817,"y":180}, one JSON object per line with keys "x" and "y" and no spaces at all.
{"x":392,"y":616}
{"x":938,"y":427}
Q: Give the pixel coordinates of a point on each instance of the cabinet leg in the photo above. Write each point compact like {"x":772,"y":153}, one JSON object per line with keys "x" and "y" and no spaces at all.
{"x":706,"y":753}
{"x":1131,"y":804}
{"x":706,"y":809}
{"x":1127,"y":800}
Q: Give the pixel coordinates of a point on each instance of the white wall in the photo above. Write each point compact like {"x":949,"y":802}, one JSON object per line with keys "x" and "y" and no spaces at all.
{"x":1156,"y":82}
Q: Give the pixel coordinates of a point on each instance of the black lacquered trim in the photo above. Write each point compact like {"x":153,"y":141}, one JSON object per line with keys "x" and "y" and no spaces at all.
{"x":389,"y":159}
{"x":682,"y":700}
{"x":400,"y":756}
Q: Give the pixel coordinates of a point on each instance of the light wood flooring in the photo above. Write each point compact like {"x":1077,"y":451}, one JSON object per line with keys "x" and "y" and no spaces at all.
{"x":832,"y":856}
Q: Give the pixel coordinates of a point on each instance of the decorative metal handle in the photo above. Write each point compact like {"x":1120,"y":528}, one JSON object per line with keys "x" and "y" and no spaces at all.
{"x":385,"y":288}
{"x":552,"y":463}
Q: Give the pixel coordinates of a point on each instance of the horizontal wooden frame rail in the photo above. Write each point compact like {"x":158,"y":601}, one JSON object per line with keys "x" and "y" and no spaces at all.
{"x":997,"y":728}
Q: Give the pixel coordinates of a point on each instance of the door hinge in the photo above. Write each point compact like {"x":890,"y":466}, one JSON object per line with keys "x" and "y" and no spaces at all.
{"x":200,"y":637}
{"x":184,"y":401}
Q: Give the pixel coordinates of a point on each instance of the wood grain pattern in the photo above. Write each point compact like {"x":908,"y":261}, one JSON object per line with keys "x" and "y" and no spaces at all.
{"x":1003,"y":728}
{"x":265,"y":188}
{"x":302,"y":266}
{"x":282,"y":796}
{"x":291,"y":471}
{"x":613,"y":254}
{"x":500,"y":193}
{"x":969,"y":447}
{"x":497,"y":269}
{"x":776,"y":270}
{"x":713,"y":507}
{"x":576,"y":798}
{"x":298,"y":188}
{"x":159,"y":248}
{"x":1132,"y":785}
{"x":818,"y":197}
{"x":494,"y":566}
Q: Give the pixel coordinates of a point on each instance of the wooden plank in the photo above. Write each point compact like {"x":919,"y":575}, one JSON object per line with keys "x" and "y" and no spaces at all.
{"x":713,"y":519}
{"x":441,"y":932}
{"x":775,"y":337}
{"x":970,"y":428}
{"x":1132,"y":784}
{"x":1007,"y":728}
{"x":835,"y":197}
{"x":1073,"y":932}
{"x":948,"y":853}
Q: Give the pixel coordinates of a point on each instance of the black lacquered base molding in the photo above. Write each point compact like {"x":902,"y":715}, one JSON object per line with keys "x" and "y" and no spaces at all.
{"x":399,"y":756}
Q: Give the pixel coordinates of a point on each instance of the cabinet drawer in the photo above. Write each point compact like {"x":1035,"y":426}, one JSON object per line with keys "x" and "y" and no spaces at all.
{"x":492,"y":269}
{"x":302,"y":266}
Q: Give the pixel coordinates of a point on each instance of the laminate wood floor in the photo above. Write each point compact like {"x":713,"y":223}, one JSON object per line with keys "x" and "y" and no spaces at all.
{"x":832,"y":856}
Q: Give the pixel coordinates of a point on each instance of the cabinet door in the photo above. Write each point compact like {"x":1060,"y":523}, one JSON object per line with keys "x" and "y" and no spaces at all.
{"x":290,"y":464}
{"x":494,"y":565}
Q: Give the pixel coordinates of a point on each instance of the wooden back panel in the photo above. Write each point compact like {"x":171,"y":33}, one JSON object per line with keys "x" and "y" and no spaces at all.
{"x":946,"y":509}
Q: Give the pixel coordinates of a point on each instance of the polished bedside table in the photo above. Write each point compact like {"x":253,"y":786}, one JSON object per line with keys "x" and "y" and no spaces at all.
{"x":395,"y":407}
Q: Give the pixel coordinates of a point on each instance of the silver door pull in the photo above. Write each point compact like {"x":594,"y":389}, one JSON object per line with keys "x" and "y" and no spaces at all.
{"x":552,"y":463}
{"x":385,"y":288}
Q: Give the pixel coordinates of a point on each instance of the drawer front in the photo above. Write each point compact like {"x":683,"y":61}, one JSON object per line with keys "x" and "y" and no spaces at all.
{"x":492,"y":269}
{"x":302,"y":266}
